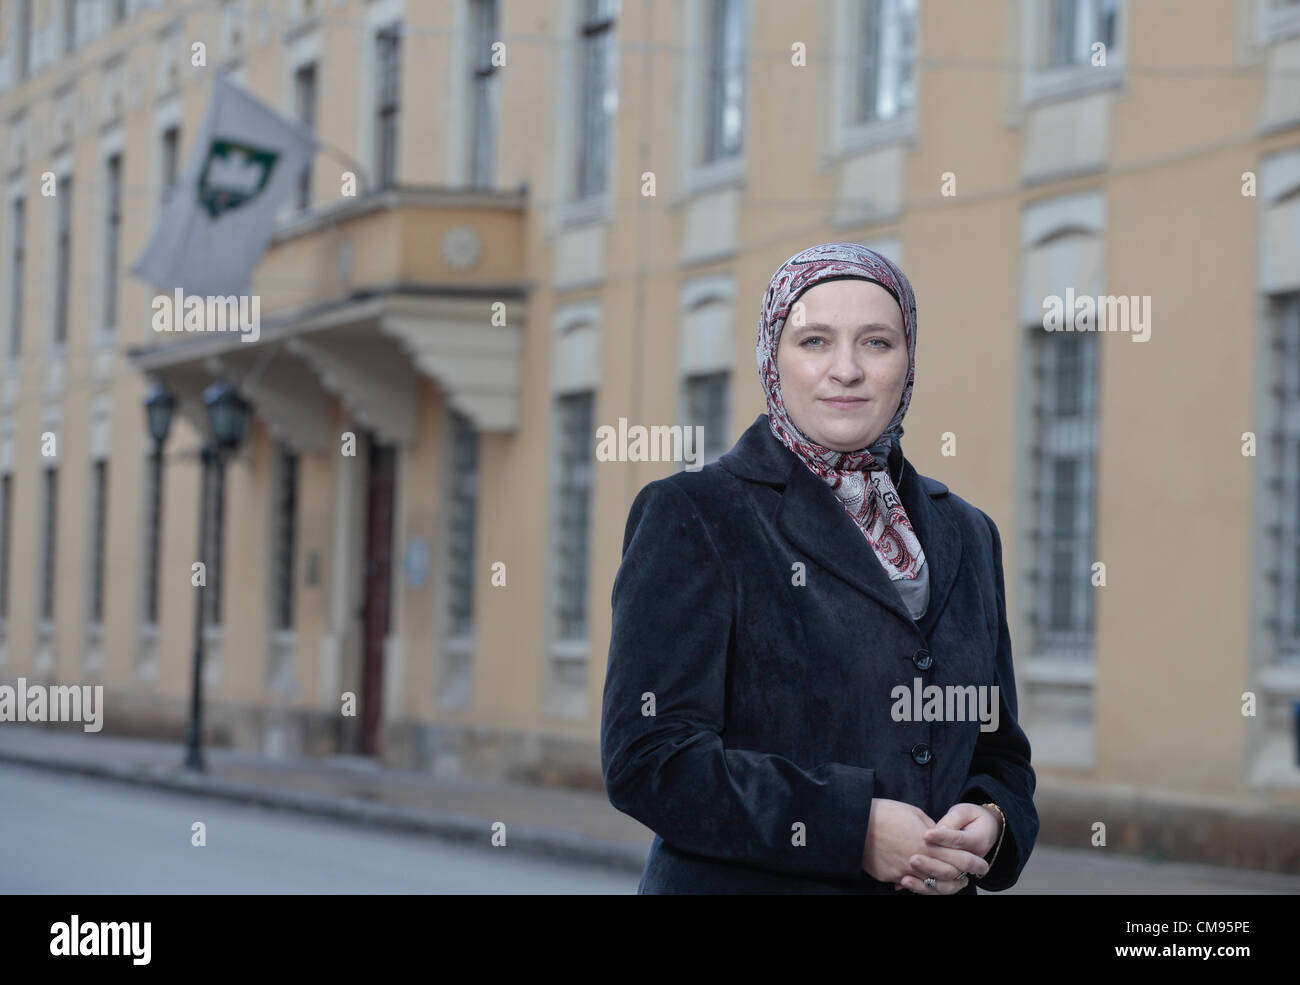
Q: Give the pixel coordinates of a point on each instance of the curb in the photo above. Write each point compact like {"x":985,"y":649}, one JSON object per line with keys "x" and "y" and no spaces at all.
{"x":466,"y":829}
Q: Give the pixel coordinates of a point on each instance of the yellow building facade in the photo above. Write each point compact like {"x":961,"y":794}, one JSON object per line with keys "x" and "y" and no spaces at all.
{"x":530,"y":220}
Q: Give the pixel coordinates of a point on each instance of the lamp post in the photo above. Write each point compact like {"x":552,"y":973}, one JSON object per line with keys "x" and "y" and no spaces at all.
{"x":159,"y":405}
{"x":227,"y":418}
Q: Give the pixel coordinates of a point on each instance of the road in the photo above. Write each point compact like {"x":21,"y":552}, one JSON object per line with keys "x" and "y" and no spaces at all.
{"x":62,"y":833}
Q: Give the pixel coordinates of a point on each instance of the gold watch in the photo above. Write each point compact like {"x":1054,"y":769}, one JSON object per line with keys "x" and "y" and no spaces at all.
{"x":998,"y":847}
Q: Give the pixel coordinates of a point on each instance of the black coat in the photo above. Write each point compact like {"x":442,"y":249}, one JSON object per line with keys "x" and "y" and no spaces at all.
{"x":772,"y":700}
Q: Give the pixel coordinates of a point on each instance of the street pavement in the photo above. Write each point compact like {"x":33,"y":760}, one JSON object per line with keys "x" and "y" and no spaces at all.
{"x":90,"y":813}
{"x":68,"y":834}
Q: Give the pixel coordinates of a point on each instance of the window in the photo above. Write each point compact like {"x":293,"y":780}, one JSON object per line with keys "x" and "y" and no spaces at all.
{"x":286,"y":523}
{"x":62,"y":259}
{"x":24,"y":31}
{"x":461,"y":518}
{"x":886,"y":86}
{"x":1065,"y":380}
{"x":216,"y":479}
{"x":69,"y":26}
{"x":596,"y":96}
{"x":304,"y":88}
{"x":706,"y":406}
{"x":1284,"y":531}
{"x":724,"y":80}
{"x":574,"y":413}
{"x":112,"y":236}
{"x":6,"y":517}
{"x":99,"y":519}
{"x":387,"y":91}
{"x":153,"y":531}
{"x":1277,"y":20}
{"x":17,"y":272}
{"x":51,"y":496}
{"x":171,"y":156}
{"x":482,"y":141}
{"x":1074,"y":26}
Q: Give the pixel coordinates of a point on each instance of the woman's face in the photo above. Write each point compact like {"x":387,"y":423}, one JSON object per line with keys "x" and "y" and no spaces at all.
{"x":843,"y":362}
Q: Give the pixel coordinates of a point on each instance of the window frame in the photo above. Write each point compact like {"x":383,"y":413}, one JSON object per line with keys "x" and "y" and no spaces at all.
{"x":387,"y":107}
{"x":1042,"y":82}
{"x":1273,"y":25}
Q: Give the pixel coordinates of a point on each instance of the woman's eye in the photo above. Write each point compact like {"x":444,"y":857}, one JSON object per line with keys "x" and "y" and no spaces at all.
{"x":814,"y":338}
{"x":884,"y":343}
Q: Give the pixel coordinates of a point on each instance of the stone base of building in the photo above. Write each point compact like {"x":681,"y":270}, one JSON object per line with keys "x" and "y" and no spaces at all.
{"x":469,"y":751}
{"x":1168,"y":828}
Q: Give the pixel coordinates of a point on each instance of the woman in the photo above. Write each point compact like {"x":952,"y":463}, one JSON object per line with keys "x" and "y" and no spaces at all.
{"x":780,"y":617}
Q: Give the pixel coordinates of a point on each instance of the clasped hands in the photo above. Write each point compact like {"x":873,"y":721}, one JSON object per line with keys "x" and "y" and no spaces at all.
{"x":904,"y":846}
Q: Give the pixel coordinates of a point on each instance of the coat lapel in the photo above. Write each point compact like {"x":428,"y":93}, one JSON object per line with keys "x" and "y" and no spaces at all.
{"x":812,"y":519}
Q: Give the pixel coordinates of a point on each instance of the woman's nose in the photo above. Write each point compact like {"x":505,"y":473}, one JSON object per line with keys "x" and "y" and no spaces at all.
{"x":845,"y":367}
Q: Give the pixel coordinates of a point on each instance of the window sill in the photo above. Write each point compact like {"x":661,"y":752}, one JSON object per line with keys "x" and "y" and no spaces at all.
{"x":1281,"y":679}
{"x":1277,"y":26}
{"x":570,"y":651}
{"x":590,"y":211}
{"x":305,"y":25}
{"x":859,"y":138}
{"x":1060,"y":85}
{"x":458,"y":646}
{"x":1054,"y":669}
{"x":700,"y":179}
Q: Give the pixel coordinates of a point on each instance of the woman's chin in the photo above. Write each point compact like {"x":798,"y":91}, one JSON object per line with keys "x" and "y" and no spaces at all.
{"x":844,"y":436}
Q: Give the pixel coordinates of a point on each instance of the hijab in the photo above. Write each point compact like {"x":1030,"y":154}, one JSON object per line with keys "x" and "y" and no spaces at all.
{"x":859,"y":479}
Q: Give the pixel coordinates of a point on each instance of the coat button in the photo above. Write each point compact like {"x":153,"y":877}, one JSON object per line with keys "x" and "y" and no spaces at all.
{"x":922,"y":659}
{"x":921,"y":753}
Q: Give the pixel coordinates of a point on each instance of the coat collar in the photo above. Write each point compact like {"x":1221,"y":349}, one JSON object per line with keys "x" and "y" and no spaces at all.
{"x":812,"y":519}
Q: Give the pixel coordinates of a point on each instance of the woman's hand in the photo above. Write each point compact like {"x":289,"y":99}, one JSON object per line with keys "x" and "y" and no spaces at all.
{"x":897,"y":849}
{"x":967,"y":828}
{"x":896,"y":837}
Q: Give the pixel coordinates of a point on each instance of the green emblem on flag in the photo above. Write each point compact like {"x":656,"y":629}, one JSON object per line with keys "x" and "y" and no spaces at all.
{"x":233,"y":175}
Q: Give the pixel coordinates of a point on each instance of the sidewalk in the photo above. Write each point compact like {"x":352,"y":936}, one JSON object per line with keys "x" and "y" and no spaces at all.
{"x":566,"y":825}
{"x":1212,"y":846}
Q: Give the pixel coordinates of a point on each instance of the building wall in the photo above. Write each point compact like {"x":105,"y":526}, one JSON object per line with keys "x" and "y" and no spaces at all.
{"x":1175,"y":626}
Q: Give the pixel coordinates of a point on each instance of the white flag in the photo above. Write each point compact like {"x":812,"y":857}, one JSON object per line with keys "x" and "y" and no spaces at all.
{"x":215,"y":227}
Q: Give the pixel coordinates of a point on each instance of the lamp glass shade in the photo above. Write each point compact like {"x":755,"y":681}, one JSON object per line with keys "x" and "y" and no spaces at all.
{"x":159,"y":405}
{"x":228,"y":414}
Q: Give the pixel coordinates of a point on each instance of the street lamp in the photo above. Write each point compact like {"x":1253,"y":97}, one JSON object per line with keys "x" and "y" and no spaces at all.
{"x":228,"y":414}
{"x":159,"y":405}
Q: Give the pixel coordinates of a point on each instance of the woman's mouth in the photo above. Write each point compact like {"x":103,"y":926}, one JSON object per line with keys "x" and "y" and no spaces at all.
{"x":844,"y":402}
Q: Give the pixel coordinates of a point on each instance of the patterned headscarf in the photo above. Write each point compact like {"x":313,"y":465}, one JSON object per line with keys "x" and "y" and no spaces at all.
{"x":860,"y":479}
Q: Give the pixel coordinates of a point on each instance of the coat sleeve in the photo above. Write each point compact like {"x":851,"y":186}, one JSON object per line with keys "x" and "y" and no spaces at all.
{"x":1000,"y":770}
{"x":666,"y":765}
